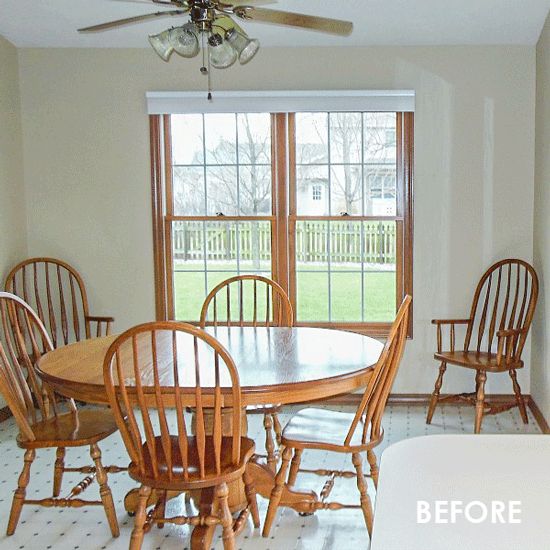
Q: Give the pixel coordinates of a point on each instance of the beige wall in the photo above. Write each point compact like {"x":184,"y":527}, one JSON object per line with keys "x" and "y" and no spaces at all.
{"x":87,"y":165}
{"x":540,"y":375}
{"x":13,"y":222}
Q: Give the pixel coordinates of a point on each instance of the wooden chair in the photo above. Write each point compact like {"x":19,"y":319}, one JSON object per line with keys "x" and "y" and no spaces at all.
{"x":501,"y":314}
{"x":23,"y":339}
{"x":164,"y":455}
{"x":343,"y":432}
{"x":57,"y":293}
{"x":226,"y":305}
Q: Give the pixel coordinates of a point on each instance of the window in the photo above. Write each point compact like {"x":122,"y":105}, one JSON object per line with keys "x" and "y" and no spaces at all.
{"x":319,"y":201}
{"x":316,"y":192}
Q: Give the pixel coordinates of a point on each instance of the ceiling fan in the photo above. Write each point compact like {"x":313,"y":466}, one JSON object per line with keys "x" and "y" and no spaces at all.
{"x":211,"y":24}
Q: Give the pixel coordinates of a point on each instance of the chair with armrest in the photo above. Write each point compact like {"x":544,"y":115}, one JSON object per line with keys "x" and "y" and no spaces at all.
{"x":56,"y":292}
{"x":160,"y":365}
{"x":496,"y":330}
{"x":23,"y":340}
{"x":341,"y":432}
{"x":252,"y":300}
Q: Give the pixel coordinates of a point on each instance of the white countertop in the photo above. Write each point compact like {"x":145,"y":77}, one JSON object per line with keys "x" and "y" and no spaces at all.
{"x":508,"y":469}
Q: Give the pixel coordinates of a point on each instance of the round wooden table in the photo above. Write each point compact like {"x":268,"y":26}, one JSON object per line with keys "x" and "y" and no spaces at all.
{"x":276,"y":365}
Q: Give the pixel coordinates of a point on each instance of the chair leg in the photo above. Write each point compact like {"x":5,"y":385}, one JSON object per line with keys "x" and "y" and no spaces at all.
{"x":366,"y":504}
{"x":277,"y":491}
{"x":371,"y":457}
{"x":277,"y":428}
{"x":519,"y":397}
{"x":294,"y":466}
{"x":481,"y":377}
{"x":161,"y":510}
{"x":21,"y":491}
{"x":104,"y":490}
{"x":137,"y":533}
{"x":225,"y":516}
{"x":269,"y":444}
{"x":250,"y":492}
{"x":435,"y":395}
{"x":58,"y":470}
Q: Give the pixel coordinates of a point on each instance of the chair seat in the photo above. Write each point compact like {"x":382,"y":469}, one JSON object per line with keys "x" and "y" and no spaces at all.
{"x":270,"y":408}
{"x":228,"y":471}
{"x":477,"y":361}
{"x":325,"y":429}
{"x":72,"y":429}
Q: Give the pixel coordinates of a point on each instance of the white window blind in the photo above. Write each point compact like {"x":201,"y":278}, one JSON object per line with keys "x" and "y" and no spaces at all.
{"x":159,"y":103}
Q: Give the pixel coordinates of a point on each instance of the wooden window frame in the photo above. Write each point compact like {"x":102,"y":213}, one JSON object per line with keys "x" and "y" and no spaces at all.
{"x":283,"y":219}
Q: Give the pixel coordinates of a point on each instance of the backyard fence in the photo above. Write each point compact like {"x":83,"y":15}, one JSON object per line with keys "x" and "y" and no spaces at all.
{"x":344,"y":242}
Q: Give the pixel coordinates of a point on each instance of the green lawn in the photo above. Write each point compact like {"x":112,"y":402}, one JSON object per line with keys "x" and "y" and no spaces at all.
{"x":312,"y":294}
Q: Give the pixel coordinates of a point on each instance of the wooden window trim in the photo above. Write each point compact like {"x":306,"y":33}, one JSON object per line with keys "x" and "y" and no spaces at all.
{"x":283,"y":219}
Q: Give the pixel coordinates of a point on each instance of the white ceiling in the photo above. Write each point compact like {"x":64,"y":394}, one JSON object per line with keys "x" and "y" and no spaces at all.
{"x":53,"y":23}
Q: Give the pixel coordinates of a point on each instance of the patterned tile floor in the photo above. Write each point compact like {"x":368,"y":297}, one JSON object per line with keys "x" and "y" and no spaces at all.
{"x":86,"y":528}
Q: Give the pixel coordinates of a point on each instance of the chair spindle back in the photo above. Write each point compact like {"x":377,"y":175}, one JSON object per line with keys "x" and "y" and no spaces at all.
{"x":505,"y":299}
{"x":23,"y":340}
{"x":162,"y":365}
{"x":378,"y":389}
{"x":56,"y":291}
{"x":247,"y":299}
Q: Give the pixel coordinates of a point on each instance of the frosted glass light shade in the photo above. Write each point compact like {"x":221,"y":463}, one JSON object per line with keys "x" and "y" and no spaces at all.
{"x":222,"y":54}
{"x":184,"y":40}
{"x":245,"y":47}
{"x":161,"y":44}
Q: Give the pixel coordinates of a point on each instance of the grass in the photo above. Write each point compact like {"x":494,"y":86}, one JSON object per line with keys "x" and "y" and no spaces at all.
{"x":312,"y":293}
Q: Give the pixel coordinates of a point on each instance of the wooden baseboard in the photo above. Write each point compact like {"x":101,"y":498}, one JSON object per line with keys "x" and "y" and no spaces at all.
{"x":419,"y":399}
{"x":422,"y":399}
{"x":539,"y":417}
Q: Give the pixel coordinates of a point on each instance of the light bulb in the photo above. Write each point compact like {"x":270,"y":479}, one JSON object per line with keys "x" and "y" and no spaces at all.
{"x":222,"y":54}
{"x":184,"y":40}
{"x":246,"y":47}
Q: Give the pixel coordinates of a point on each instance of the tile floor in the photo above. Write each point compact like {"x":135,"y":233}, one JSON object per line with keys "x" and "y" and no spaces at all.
{"x":86,"y":528}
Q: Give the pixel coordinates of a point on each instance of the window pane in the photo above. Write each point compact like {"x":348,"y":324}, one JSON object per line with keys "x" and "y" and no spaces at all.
{"x":254,"y":138}
{"x":346,"y":189}
{"x":345,"y":297}
{"x":380,"y":164}
{"x":188,"y":190}
{"x":255,"y":190}
{"x":308,"y":179}
{"x":206,"y":253}
{"x":311,"y":138}
{"x":187,"y":139}
{"x":222,"y":190}
{"x":312,"y":246}
{"x":379,"y":295}
{"x":312,"y":296}
{"x":345,"y":137}
{"x":220,"y":138}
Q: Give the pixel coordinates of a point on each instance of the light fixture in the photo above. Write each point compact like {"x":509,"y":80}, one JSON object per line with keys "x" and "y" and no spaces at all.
{"x":245,"y":47}
{"x":185,"y":40}
{"x":220,"y":51}
{"x":212,"y":28}
{"x":161,"y":44}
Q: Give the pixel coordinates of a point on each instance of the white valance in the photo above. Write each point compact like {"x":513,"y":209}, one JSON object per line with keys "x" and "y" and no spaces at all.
{"x":159,"y":103}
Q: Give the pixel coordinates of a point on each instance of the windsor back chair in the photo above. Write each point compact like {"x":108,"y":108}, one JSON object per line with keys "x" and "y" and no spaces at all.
{"x":257,"y":301}
{"x":343,"y":432}
{"x":23,"y":340}
{"x":500,"y":317}
{"x":149,"y":363}
{"x":56,"y":292}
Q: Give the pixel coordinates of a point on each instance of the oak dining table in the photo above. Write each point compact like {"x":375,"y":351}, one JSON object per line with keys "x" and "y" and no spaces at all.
{"x":286,"y":365}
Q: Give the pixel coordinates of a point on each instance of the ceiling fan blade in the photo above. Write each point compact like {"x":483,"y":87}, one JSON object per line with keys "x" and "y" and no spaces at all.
{"x":128,"y":20}
{"x":173,"y":3}
{"x":323,"y":24}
